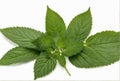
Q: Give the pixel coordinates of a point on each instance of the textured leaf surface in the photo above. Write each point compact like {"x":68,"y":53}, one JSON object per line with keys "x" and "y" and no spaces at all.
{"x":80,"y":26}
{"x":18,"y":55}
{"x":101,"y":49}
{"x":54,"y":24}
{"x":72,"y":47}
{"x":21,"y":36}
{"x":44,"y":42}
{"x":44,"y":65}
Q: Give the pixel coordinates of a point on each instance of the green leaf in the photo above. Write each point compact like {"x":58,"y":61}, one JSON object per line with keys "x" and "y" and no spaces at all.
{"x":72,"y":47}
{"x":80,"y":26}
{"x":105,"y":37}
{"x":100,"y":49}
{"x":55,"y":25}
{"x":44,"y":42}
{"x":18,"y":55}
{"x":44,"y":65}
{"x":61,"y":60}
{"x":21,"y":35}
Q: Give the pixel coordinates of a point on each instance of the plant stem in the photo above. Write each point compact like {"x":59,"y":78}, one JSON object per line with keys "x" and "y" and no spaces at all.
{"x":67,"y":71}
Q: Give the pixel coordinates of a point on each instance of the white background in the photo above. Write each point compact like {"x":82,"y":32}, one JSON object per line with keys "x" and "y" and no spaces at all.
{"x":31,"y":13}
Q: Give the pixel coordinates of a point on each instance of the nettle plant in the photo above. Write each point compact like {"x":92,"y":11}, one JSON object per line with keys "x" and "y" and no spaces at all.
{"x":59,"y":42}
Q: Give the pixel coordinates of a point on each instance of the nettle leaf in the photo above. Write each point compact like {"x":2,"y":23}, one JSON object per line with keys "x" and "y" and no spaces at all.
{"x":101,"y":49}
{"x":61,"y":60}
{"x":55,"y":25}
{"x":44,"y":65}
{"x":72,"y":47}
{"x":80,"y":26}
{"x":44,"y":42}
{"x":21,"y":36}
{"x":18,"y":55}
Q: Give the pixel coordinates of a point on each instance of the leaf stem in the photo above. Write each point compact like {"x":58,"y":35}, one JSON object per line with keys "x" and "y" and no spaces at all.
{"x":67,"y":71}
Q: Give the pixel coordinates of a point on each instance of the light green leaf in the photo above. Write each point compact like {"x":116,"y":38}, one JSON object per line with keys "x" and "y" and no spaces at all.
{"x":80,"y":26}
{"x":55,"y":25}
{"x":21,"y":35}
{"x":44,"y":42}
{"x":101,"y":49}
{"x":44,"y":65}
{"x":18,"y":55}
{"x":72,"y":47}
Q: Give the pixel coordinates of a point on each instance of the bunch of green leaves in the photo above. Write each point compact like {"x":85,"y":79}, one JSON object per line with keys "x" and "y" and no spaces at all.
{"x":59,"y":42}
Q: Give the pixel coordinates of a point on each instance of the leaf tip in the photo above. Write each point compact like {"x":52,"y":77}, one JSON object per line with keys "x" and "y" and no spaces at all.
{"x":48,"y":8}
{"x":89,"y":9}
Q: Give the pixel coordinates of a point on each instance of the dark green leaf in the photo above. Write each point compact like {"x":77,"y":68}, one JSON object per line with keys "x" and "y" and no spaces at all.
{"x":21,"y":35}
{"x":55,"y":25}
{"x":44,"y":65}
{"x":80,"y":26}
{"x":18,"y":55}
{"x":100,"y":50}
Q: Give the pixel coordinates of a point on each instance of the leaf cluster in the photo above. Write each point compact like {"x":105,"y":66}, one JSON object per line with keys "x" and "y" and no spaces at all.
{"x":59,"y":42}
